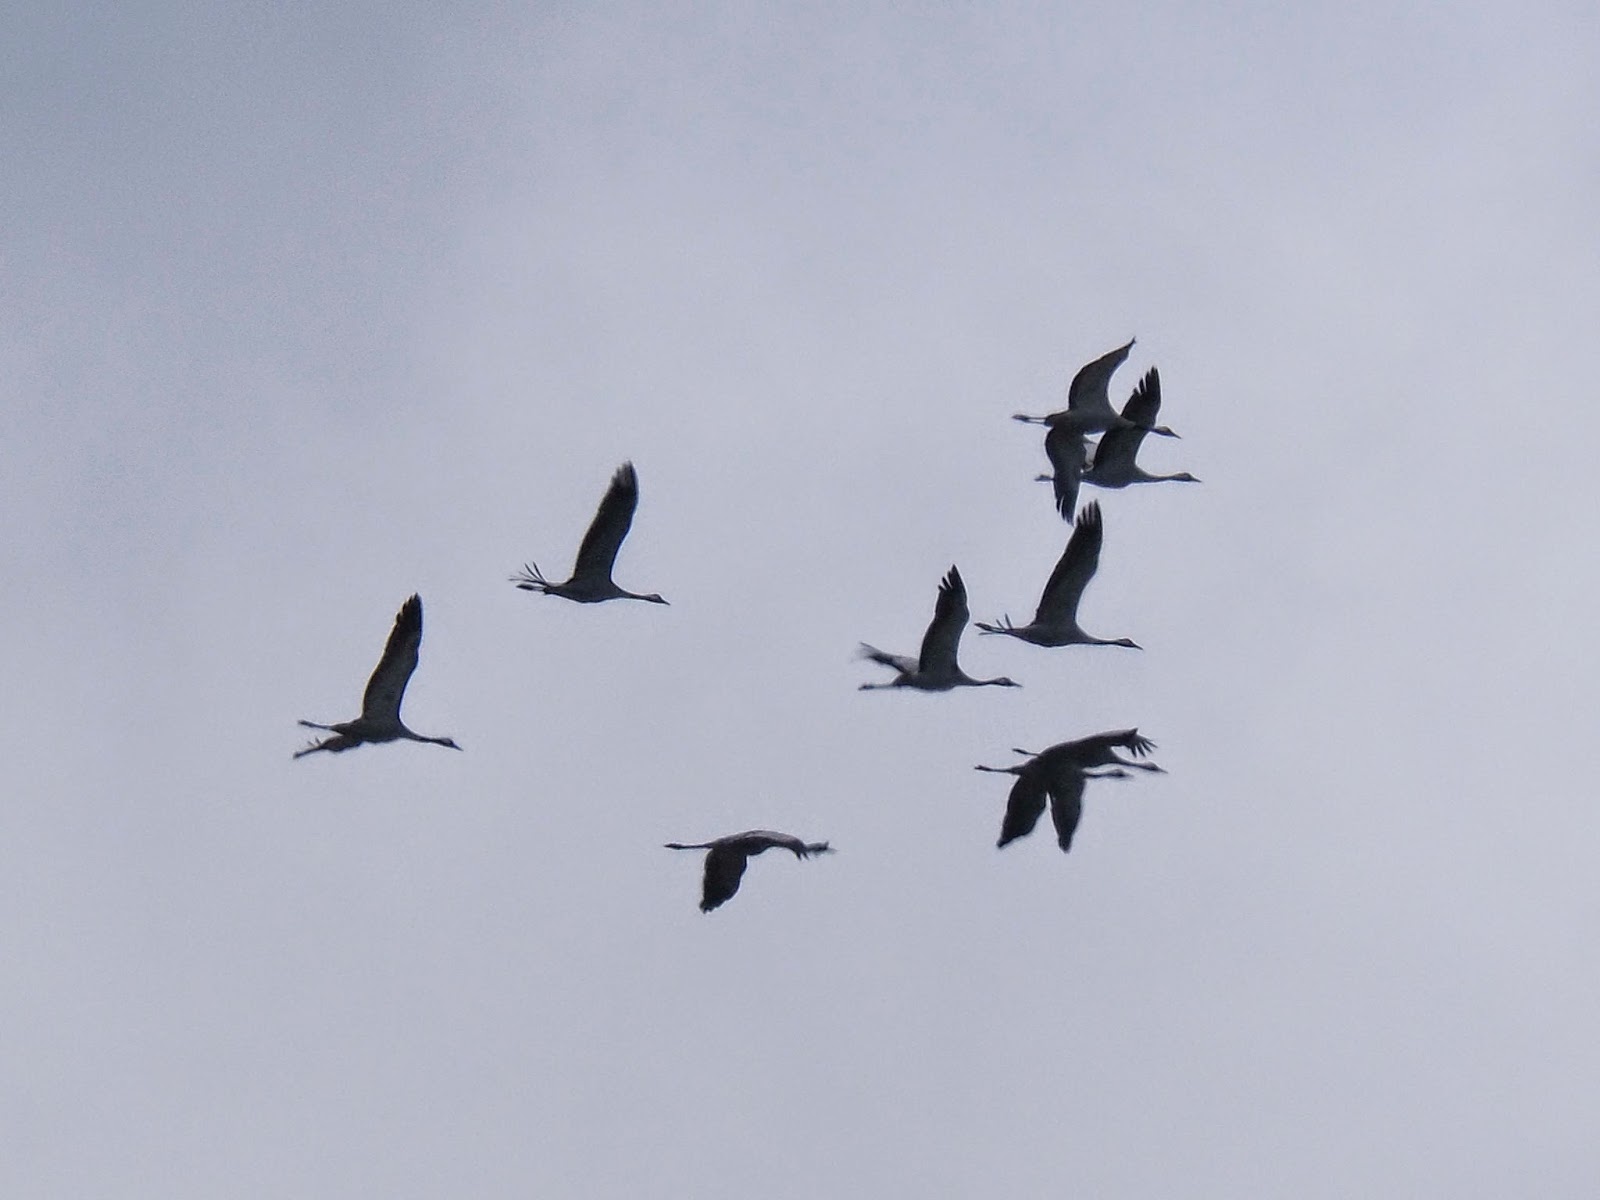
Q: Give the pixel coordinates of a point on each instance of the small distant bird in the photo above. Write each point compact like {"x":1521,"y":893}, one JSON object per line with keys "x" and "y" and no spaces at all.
{"x":1089,"y":404}
{"x":727,"y":856}
{"x":380,"y":706}
{"x":1055,"y":623}
{"x":591,"y":575}
{"x":1061,"y":773}
{"x":936,"y":669}
{"x":1113,"y":465}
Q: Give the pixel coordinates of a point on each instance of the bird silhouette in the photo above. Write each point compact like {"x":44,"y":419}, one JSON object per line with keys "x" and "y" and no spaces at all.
{"x":1113,"y":465}
{"x":1055,"y":622}
{"x":591,"y":575}
{"x":380,"y":705}
{"x":726,"y":858}
{"x":1089,"y":403}
{"x":936,"y":669}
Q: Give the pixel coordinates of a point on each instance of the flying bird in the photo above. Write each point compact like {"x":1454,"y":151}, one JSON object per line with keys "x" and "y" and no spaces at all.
{"x":1089,"y":404}
{"x":380,"y":706}
{"x":935,"y":670}
{"x":1068,"y":452}
{"x":1061,"y":773}
{"x":1055,"y":622}
{"x":727,"y":856}
{"x":1113,"y":465}
{"x":591,"y":574}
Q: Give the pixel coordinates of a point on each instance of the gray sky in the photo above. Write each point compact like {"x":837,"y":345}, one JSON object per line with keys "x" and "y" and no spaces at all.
{"x":305,"y":311}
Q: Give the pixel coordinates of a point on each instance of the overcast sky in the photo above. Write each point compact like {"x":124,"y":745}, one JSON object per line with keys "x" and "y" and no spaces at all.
{"x":307,"y":308}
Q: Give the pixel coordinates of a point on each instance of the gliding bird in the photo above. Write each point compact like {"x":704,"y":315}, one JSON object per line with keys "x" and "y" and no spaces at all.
{"x":591,"y":574}
{"x":936,"y":669}
{"x":380,"y":706}
{"x":1061,"y":773}
{"x":1055,"y":622}
{"x":727,"y":856}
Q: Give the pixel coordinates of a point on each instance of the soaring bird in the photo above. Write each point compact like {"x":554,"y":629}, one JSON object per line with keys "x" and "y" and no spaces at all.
{"x":1089,"y":404}
{"x":936,"y":669}
{"x":1113,"y":465}
{"x":1055,"y":622}
{"x":727,"y":857}
{"x":591,"y":575}
{"x":1061,"y":773}
{"x":380,"y":706}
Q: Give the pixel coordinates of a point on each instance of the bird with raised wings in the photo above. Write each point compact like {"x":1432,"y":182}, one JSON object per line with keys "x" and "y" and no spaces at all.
{"x":726,"y":858}
{"x":591,"y":580}
{"x":1089,"y":402}
{"x":1055,"y":621}
{"x":935,"y":669}
{"x":380,"y":706}
{"x":1113,"y":464}
{"x":1061,"y":774}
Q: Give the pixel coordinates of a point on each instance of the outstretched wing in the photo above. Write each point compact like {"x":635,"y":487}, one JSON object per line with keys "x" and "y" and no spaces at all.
{"x":950,"y":614}
{"x":1079,"y":561}
{"x":1024,"y":807}
{"x":1068,"y":455}
{"x":1066,"y":805}
{"x":1087,"y":391}
{"x":610,"y":525}
{"x":1084,"y":749}
{"x":1122,"y":444}
{"x":724,"y":868}
{"x":387,"y":687}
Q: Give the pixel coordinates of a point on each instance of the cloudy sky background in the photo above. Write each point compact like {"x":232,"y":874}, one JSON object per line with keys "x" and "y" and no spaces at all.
{"x":307,"y":310}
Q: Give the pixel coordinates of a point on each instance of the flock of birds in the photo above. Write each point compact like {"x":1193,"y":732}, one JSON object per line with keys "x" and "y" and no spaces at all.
{"x":1058,"y":774}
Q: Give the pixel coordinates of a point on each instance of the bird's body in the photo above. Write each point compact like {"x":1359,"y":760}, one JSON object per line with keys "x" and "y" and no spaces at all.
{"x":936,"y":668}
{"x":1061,"y":774}
{"x":1089,"y":402}
{"x":380,"y":705}
{"x":591,"y":580}
{"x":1055,"y":622}
{"x":726,"y":858}
{"x":1113,"y":465}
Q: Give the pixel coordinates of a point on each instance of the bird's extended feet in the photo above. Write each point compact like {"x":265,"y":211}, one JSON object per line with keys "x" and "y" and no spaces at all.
{"x":531,"y":579}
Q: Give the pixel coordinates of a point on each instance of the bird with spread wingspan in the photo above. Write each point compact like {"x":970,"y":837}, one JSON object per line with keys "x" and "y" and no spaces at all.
{"x":380,"y":706}
{"x":591,"y":575}
{"x":1061,"y":774}
{"x":935,"y":669}
{"x":1055,"y":622}
{"x":726,"y":858}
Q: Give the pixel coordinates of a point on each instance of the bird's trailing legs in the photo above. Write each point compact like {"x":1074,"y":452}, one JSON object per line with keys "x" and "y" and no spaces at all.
{"x":531,"y":579}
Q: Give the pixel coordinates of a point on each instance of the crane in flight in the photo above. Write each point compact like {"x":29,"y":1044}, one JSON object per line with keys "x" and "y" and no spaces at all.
{"x":726,"y":858}
{"x":1061,"y":773}
{"x":591,"y":575}
{"x":1055,"y":621}
{"x":935,"y":669}
{"x":1089,"y":403}
{"x":1113,"y":465}
{"x":380,"y":705}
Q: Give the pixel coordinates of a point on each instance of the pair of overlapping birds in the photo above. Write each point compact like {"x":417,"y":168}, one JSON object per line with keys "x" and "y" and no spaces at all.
{"x":1058,"y":774}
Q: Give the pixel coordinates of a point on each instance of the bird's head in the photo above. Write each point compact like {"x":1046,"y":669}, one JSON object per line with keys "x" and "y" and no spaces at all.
{"x":654,"y":598}
{"x":1128,"y":642}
